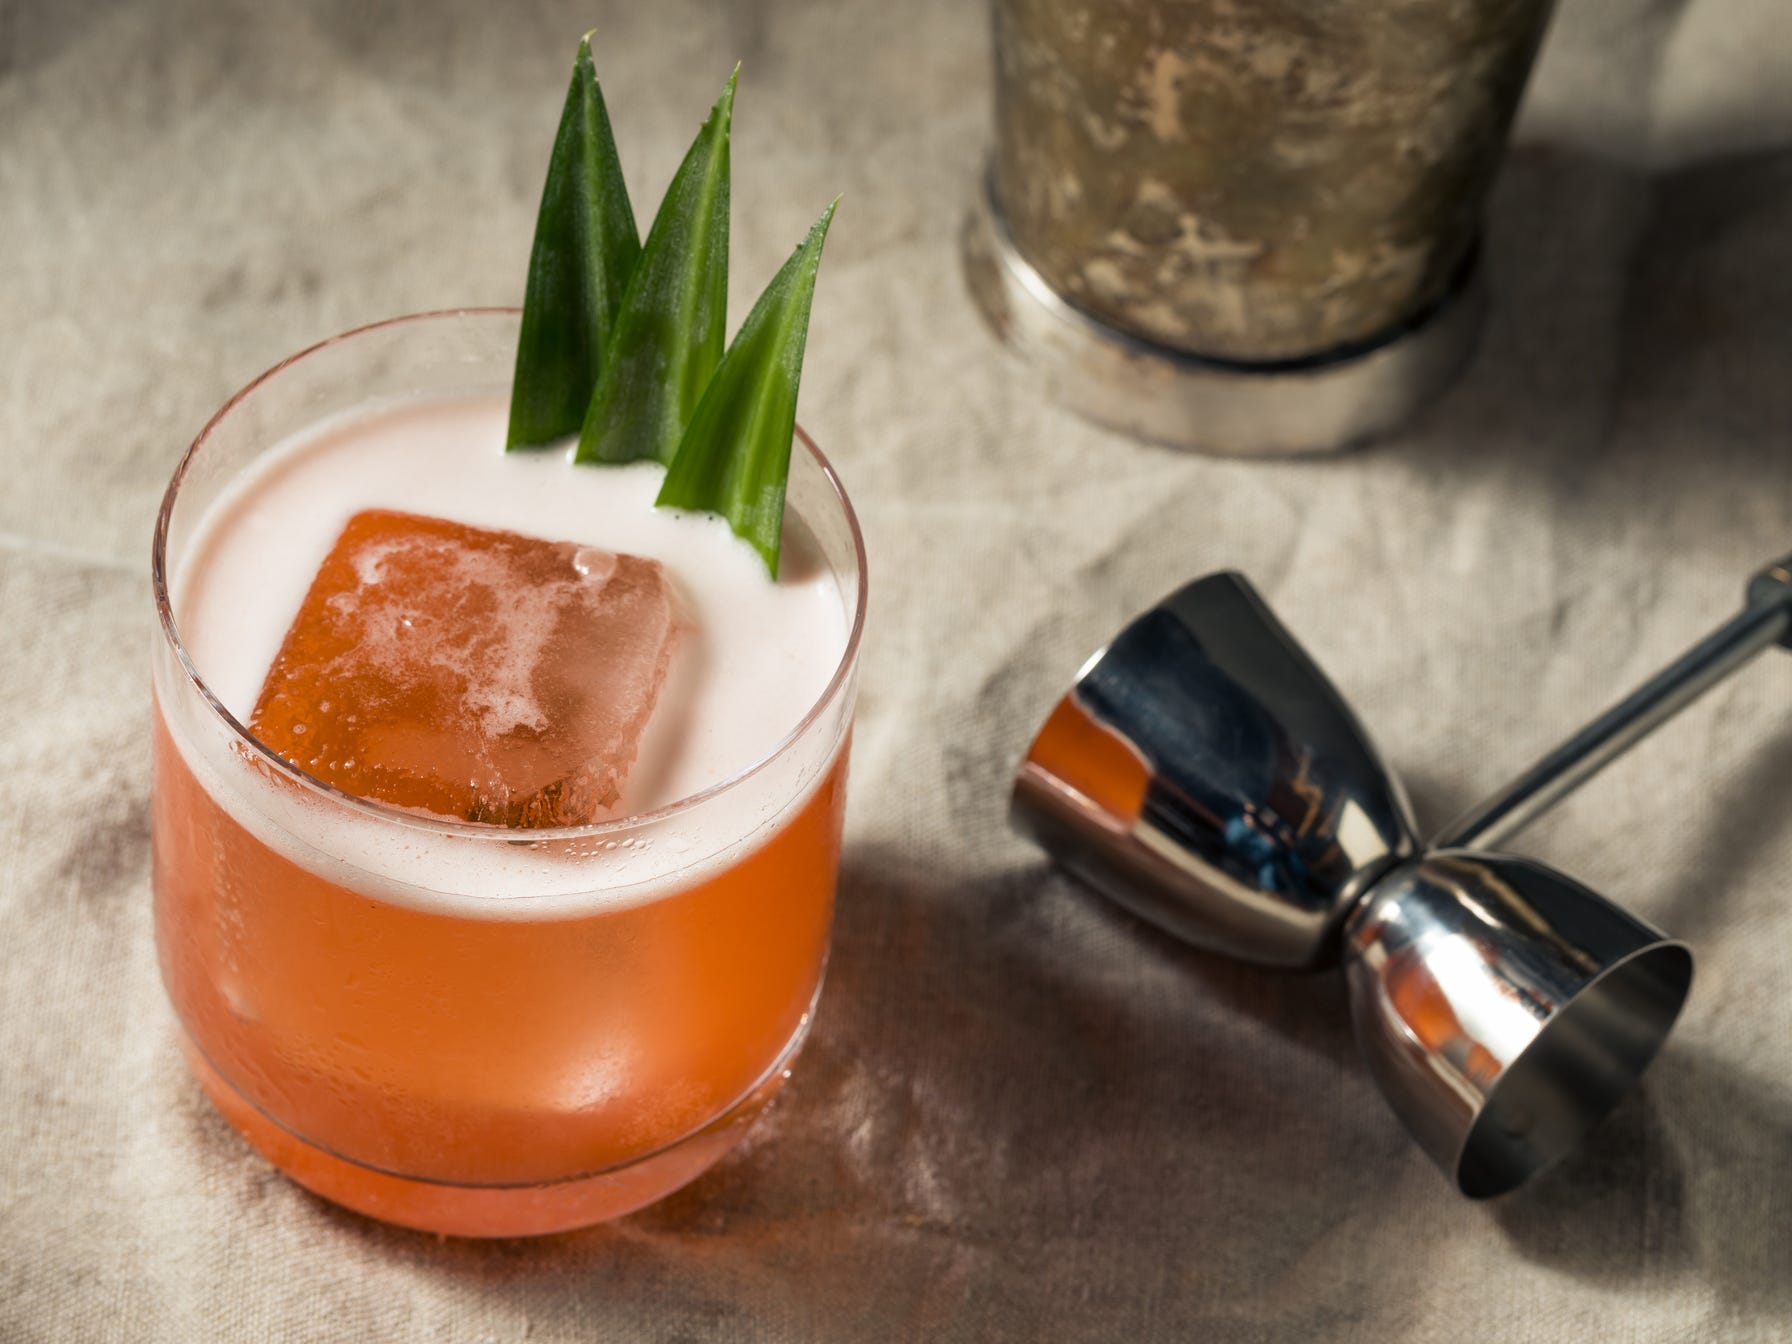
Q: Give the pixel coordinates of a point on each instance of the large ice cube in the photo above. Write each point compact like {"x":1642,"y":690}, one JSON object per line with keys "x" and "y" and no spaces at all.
{"x":471,"y":673}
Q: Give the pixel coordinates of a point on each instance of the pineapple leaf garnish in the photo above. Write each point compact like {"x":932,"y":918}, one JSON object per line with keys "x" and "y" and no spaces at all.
{"x":734,"y":458}
{"x":585,"y":248}
{"x":624,"y":342}
{"x":668,"y":336}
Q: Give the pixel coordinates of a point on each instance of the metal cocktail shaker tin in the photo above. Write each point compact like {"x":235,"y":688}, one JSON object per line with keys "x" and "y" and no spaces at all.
{"x":1245,"y":226}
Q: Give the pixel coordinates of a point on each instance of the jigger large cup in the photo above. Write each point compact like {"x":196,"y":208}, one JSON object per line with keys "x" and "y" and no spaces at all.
{"x":1203,"y":773}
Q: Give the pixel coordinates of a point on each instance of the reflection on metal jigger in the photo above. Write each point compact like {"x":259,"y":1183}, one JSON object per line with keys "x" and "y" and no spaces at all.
{"x":1204,"y":774}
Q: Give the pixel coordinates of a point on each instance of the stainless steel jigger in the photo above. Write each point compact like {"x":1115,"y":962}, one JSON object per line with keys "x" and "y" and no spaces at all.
{"x":1204,"y":774}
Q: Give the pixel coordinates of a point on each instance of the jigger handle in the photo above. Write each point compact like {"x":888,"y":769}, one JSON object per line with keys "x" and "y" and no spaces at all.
{"x":1765,"y":620}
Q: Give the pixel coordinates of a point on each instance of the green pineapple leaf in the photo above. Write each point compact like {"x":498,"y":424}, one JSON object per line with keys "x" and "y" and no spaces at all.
{"x":668,"y":335}
{"x":585,"y":248}
{"x":734,"y":458}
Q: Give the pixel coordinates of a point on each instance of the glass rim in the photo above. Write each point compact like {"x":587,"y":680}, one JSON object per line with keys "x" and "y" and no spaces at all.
{"x":387,"y":812}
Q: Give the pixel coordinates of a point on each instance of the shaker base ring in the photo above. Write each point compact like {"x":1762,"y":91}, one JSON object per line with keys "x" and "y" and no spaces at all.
{"x":1323,"y":404}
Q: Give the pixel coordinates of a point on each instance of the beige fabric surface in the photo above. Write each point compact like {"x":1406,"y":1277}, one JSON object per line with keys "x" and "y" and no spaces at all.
{"x":1020,"y":1116}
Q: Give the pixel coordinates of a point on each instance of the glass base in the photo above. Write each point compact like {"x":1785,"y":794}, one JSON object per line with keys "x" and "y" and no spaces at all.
{"x":492,"y":1210}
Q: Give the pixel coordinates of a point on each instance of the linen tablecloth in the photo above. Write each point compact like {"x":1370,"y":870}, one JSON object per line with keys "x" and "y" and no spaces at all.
{"x":1021,"y":1115}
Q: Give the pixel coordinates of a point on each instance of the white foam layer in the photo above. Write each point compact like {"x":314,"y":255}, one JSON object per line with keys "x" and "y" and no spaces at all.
{"x":758,"y":656}
{"x":470,"y":875}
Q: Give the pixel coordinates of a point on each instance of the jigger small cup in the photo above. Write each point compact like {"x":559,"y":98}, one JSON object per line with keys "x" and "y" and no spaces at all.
{"x":1504,"y":1009}
{"x":1204,"y":774}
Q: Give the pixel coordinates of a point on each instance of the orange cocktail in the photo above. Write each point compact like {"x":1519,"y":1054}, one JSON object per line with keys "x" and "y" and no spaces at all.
{"x":466,"y":1027}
